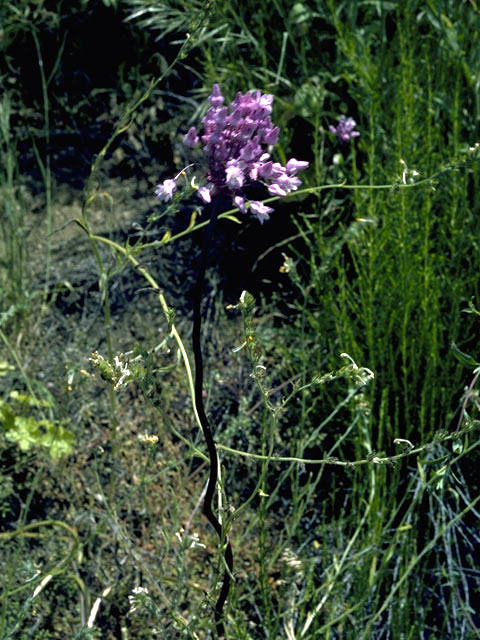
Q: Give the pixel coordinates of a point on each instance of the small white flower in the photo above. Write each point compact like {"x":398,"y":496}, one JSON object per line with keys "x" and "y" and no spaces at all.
{"x":122,"y":372}
{"x":190,"y":540}
{"x":136,"y":597}
{"x":152,"y":439}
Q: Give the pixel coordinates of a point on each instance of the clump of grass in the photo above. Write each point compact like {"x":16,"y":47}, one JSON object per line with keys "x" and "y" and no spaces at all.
{"x":383,"y":281}
{"x":15,"y":284}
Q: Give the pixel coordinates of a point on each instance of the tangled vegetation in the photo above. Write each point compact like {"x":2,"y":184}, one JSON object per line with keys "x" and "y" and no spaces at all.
{"x":219,"y":424}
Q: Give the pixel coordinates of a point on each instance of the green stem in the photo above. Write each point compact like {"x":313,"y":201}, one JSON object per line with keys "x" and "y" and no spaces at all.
{"x":348,"y":463}
{"x":24,"y":531}
{"x":45,"y":168}
{"x":229,"y":215}
{"x":167,"y":311}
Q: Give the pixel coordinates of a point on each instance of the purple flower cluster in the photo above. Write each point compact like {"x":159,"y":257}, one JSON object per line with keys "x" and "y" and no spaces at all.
{"x":233,"y":143}
{"x":345,"y":129}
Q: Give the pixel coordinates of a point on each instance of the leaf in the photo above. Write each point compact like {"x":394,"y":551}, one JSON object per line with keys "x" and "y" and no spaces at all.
{"x":5,"y":367}
{"x":166,"y":237}
{"x":25,"y":433}
{"x":471,"y":308}
{"x":7,"y":416}
{"x":232,"y":218}
{"x":464,"y":358}
{"x":450,"y":33}
{"x":191,"y":224}
{"x":57,"y":439}
{"x":27,"y":400}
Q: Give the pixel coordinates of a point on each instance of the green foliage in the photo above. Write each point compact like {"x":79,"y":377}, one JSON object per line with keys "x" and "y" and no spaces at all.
{"x":13,"y":243}
{"x":170,"y":17}
{"x":349,"y":492}
{"x":26,"y":431}
{"x":386,"y":277}
{"x":464,"y":358}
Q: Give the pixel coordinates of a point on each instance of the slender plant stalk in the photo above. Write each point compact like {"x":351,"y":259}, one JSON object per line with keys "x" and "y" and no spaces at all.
{"x":207,"y":432}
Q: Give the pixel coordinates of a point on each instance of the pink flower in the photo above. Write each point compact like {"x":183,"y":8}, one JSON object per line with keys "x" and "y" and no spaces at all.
{"x":234,"y":176}
{"x":191,"y":139}
{"x":276,"y":190}
{"x":240,"y":203}
{"x":205,"y":194}
{"x":234,"y":140}
{"x":260,"y":210}
{"x":345,"y":129}
{"x":165,"y":191}
{"x":293,"y":166}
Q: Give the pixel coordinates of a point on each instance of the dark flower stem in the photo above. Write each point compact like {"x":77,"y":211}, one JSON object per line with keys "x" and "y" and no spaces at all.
{"x":207,"y":432}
